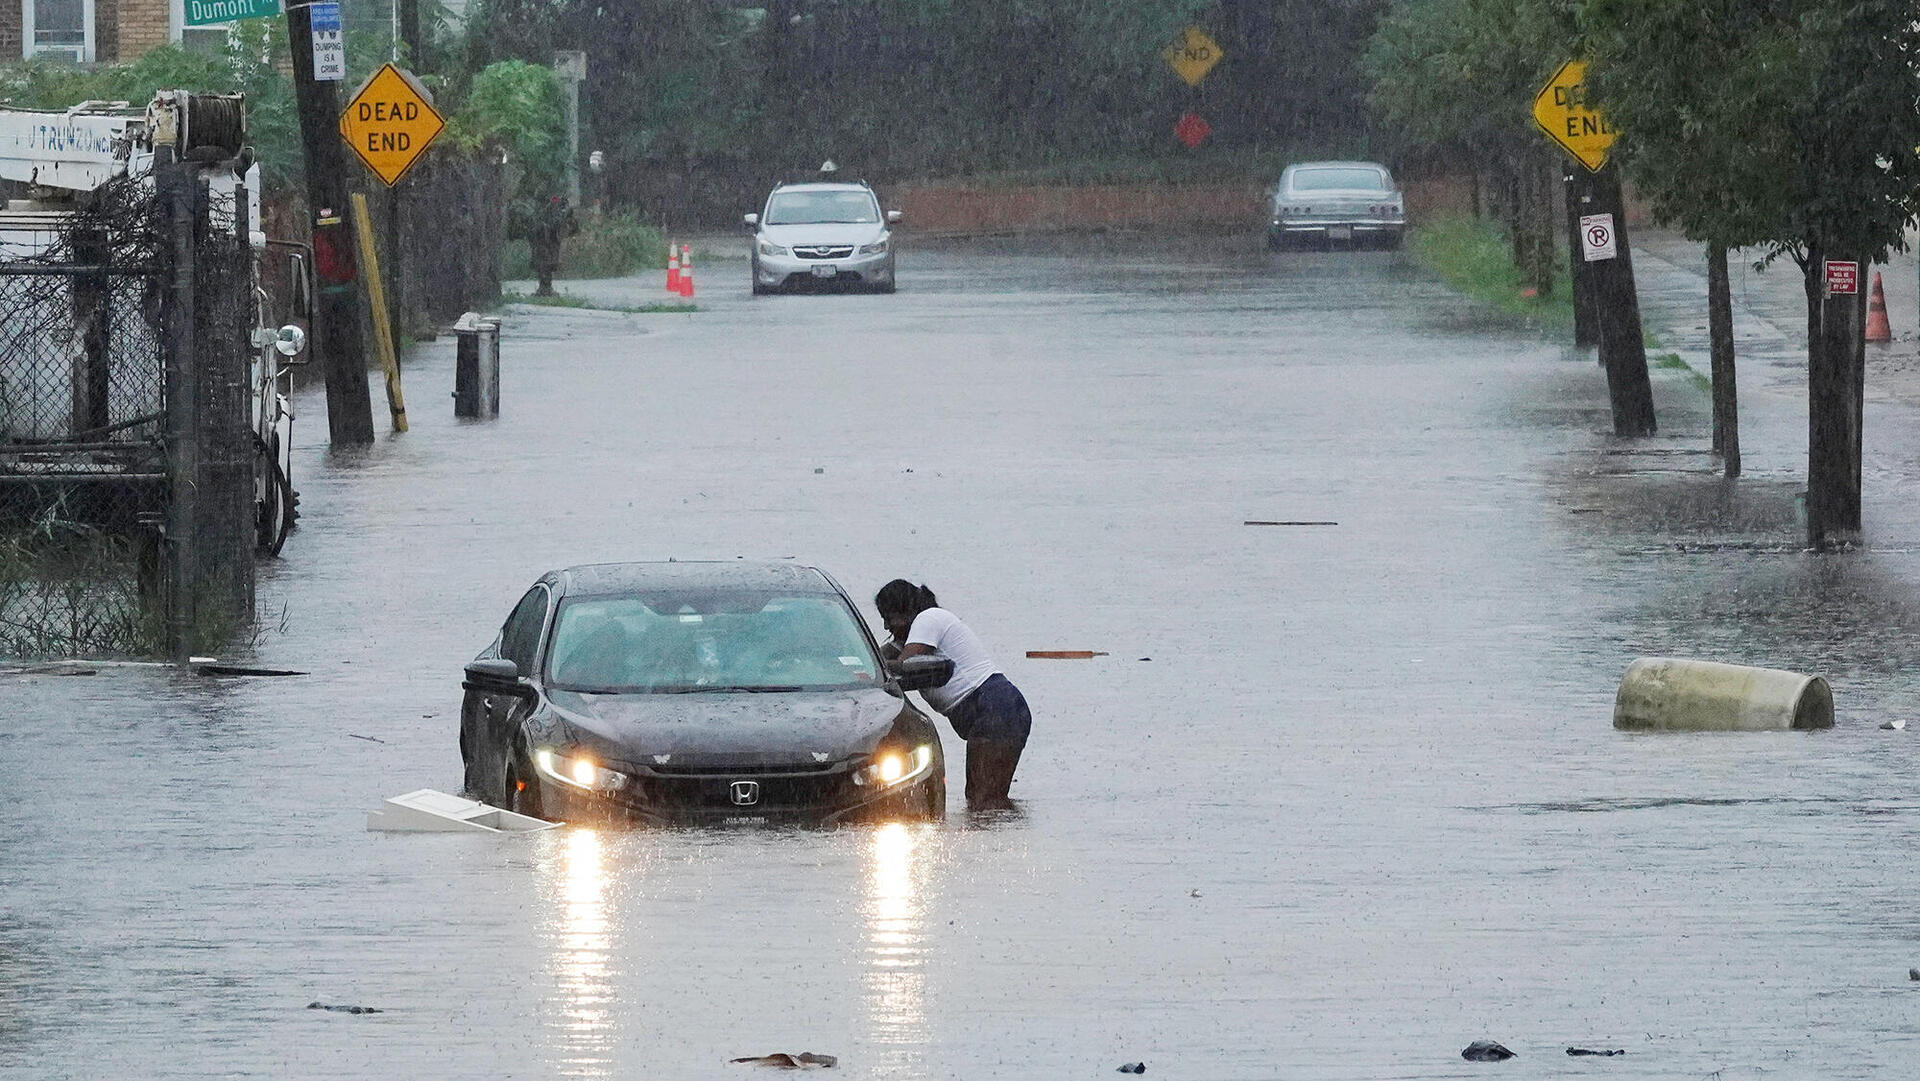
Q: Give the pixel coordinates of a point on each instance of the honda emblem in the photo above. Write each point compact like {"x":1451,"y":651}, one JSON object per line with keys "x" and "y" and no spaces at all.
{"x":745,"y":793}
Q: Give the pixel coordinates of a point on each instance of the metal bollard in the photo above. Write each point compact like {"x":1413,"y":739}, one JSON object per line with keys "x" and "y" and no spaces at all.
{"x":476,"y":369}
{"x":1671,"y":694}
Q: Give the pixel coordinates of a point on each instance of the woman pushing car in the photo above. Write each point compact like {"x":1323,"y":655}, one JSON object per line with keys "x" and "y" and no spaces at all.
{"x":985,"y":708}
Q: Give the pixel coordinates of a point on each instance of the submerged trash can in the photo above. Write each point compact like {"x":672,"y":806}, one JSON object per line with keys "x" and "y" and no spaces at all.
{"x":1677,"y":695}
{"x":476,"y":368}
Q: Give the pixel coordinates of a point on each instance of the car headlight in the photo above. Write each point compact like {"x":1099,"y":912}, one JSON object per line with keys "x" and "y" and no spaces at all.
{"x":878,"y":247}
{"x":577,"y":771}
{"x":769,"y":248}
{"x":891,"y":767}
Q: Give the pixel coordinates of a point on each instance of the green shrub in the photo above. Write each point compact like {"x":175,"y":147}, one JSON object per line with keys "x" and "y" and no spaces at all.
{"x":1474,"y":257}
{"x":608,"y":246}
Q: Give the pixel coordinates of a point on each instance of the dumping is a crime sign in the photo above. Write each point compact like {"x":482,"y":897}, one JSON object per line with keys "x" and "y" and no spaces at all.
{"x":389,"y":123}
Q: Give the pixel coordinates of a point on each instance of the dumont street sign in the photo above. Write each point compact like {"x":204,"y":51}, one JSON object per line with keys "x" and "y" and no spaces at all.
{"x":1193,"y":55}
{"x":389,"y":123}
{"x":214,"y":12}
{"x":1561,"y":111}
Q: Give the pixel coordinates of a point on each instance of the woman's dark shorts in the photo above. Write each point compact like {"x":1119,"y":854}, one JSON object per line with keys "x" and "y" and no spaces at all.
{"x":996,"y":710}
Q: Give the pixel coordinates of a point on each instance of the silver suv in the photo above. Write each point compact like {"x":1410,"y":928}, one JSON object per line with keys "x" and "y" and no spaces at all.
{"x":821,"y":233}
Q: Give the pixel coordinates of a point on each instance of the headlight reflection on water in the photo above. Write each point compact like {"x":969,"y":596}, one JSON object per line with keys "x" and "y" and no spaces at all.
{"x":580,"y":943}
{"x":895,"y":975}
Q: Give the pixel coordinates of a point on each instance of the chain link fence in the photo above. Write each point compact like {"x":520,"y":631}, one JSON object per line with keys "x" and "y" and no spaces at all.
{"x":124,"y":353}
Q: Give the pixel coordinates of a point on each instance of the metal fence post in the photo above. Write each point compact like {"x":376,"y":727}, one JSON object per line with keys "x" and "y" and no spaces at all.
{"x":181,"y":203}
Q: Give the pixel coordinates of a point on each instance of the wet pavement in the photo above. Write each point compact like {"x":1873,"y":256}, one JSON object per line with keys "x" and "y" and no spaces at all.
{"x":1340,"y":800}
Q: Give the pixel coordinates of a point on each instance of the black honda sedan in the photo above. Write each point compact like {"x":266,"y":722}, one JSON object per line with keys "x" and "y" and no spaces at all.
{"x":697,"y":692}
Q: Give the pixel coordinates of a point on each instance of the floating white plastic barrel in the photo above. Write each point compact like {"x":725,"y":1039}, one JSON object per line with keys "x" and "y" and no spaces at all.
{"x":1671,"y":694}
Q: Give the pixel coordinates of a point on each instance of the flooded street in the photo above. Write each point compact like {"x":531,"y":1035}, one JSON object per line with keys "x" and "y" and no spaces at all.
{"x":1340,"y":799}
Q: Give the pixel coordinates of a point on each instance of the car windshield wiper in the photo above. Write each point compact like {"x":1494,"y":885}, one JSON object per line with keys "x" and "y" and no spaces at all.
{"x":761,"y":688}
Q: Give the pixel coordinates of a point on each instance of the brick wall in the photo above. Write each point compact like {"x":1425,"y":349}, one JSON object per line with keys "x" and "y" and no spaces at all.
{"x":142,"y":25}
{"x":11,"y":17}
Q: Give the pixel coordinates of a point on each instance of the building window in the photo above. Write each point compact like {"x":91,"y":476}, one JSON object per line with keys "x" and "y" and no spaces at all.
{"x":57,"y":28}
{"x":208,"y":40}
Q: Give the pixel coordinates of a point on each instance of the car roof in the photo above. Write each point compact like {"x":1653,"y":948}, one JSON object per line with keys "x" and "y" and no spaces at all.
{"x":825,"y":185}
{"x":613,"y":579}
{"x":1338,"y":165}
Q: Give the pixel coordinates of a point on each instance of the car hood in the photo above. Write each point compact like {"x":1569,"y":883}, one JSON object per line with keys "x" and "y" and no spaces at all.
{"x":823,"y":233}
{"x":731,"y":728}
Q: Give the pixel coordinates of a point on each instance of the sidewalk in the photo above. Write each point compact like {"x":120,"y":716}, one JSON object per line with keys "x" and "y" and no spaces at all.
{"x":1770,"y":312}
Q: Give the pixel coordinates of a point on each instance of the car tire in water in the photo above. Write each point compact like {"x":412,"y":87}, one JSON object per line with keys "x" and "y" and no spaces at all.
{"x":522,"y":795}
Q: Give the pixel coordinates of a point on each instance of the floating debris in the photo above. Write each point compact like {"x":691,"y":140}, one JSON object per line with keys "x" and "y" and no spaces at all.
{"x":805,"y":1060}
{"x":341,"y":1009}
{"x":1252,"y":521}
{"x":1485,"y":1051}
{"x":1064,"y":654}
{"x":1894,"y":725}
{"x":1600,"y":1054}
{"x":1134,"y":1067}
{"x":369,"y":739}
{"x":242,"y":670}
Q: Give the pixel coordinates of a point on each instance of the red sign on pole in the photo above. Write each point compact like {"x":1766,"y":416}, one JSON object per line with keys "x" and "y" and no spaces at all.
{"x":1192,"y":130}
{"x":1843,"y":276}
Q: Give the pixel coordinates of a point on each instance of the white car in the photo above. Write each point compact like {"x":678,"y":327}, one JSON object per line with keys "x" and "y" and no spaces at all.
{"x":822,"y":233}
{"x":1336,"y":203}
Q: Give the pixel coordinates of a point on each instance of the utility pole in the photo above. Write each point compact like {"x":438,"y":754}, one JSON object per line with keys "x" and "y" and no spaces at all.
{"x":1835,"y":386}
{"x":1616,"y":307}
{"x":338,"y":342}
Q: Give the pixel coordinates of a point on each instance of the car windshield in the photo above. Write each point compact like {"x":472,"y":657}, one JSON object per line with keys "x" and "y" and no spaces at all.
{"x":821,"y":207}
{"x":1339,"y":179}
{"x":681,"y":641}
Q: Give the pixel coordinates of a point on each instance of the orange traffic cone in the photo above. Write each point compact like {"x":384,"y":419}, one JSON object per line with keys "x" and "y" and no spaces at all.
{"x":1877,"y":328}
{"x":673,"y":269}
{"x":686,"y":272}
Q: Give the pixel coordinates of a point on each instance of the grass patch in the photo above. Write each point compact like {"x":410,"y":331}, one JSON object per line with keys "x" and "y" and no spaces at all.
{"x":1474,"y":257}
{"x":1673,"y":362}
{"x":568,"y":300}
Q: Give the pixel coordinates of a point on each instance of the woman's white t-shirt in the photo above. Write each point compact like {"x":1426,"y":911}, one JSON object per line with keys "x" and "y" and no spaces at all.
{"x":943,"y":630}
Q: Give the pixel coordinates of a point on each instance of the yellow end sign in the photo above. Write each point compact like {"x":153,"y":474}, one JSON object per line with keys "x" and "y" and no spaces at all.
{"x":1193,"y":55}
{"x":389,"y":123}
{"x":1562,"y":112}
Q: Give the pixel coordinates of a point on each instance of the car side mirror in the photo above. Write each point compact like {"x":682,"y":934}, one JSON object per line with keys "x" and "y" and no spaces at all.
{"x":893,"y":217}
{"x":752,"y":220}
{"x":496,"y":675}
{"x":923,"y":670}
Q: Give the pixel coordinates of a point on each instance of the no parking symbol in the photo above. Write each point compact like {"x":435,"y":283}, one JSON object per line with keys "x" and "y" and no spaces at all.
{"x":1597,"y":240}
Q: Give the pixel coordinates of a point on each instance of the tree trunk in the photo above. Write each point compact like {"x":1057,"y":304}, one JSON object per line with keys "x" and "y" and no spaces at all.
{"x":1586,"y":325}
{"x":1836,"y":335}
{"x":1540,"y":228}
{"x":1726,"y":413}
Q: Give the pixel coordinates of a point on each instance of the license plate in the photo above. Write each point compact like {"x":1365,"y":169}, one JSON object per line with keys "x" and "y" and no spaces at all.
{"x":1339,"y":232}
{"x":746,"y":821}
{"x":826,"y":271}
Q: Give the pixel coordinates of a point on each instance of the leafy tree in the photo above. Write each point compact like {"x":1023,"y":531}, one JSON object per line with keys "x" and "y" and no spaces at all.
{"x":1791,"y":124}
{"x":1458,"y":78}
{"x":245,"y":65}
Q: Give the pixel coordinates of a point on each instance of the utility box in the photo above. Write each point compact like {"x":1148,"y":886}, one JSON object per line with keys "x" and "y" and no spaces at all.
{"x":476,"y":369}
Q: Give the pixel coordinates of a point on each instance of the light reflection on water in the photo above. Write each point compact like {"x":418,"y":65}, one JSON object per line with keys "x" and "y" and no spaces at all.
{"x":894,"y":974}
{"x":581,"y":942}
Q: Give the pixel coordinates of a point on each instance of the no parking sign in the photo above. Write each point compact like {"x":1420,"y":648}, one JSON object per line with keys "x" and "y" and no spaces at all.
{"x":1597,"y":238}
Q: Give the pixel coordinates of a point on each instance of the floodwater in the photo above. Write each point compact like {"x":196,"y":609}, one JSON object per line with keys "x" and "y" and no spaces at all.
{"x":1339,"y":800}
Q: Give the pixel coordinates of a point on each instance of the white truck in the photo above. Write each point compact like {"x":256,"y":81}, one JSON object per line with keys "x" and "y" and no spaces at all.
{"x":58,"y":160}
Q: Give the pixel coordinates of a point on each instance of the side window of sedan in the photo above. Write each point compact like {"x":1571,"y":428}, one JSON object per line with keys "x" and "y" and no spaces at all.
{"x":520,"y":637}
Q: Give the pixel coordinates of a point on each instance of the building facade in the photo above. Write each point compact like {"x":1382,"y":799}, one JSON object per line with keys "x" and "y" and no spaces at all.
{"x":96,"y":31}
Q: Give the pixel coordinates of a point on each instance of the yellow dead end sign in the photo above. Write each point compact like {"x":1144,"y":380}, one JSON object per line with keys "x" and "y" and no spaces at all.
{"x":1192,"y":55}
{"x":389,"y":123}
{"x":1562,"y":112}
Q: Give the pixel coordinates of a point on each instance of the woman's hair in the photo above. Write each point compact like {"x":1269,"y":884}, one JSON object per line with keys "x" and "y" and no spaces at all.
{"x":902,"y":598}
